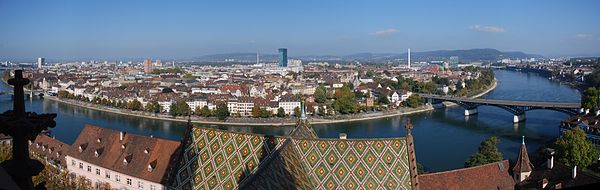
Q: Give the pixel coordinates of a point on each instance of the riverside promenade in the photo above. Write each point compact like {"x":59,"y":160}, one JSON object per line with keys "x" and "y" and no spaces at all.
{"x":243,"y":121}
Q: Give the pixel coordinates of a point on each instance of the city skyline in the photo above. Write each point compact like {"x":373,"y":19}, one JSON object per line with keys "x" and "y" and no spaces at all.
{"x":114,"y":30}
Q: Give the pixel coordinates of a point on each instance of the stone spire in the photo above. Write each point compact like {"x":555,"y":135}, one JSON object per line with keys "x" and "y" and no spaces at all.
{"x":412,"y":159}
{"x":23,"y":126}
{"x":523,"y":166}
{"x":303,"y":128}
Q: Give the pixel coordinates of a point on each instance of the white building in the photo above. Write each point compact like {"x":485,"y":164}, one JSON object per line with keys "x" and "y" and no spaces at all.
{"x":124,"y":161}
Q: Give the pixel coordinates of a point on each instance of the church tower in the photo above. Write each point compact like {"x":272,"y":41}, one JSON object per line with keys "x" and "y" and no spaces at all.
{"x":523,"y":167}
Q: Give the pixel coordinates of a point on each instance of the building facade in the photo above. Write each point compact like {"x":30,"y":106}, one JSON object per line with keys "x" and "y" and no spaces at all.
{"x":283,"y":57}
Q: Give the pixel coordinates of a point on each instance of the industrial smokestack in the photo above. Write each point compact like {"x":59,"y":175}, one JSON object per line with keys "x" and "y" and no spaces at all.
{"x":408,"y":58}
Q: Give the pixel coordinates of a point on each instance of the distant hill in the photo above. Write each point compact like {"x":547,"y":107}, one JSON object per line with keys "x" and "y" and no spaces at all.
{"x":486,"y":54}
{"x":463,"y":55}
{"x":236,"y":56}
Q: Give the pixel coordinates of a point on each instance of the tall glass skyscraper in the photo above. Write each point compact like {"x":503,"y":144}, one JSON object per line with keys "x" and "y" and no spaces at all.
{"x":283,"y":57}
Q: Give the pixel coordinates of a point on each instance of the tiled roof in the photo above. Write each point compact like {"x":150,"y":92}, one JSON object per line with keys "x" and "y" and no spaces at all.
{"x":226,"y":160}
{"x":489,"y":176}
{"x":103,"y":147}
{"x":51,"y":148}
{"x":523,"y":164}
{"x":560,"y":175}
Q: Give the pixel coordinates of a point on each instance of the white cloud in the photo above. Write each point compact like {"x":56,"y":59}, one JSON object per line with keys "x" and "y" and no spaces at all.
{"x":491,"y":29}
{"x":584,"y":37}
{"x":385,"y":32}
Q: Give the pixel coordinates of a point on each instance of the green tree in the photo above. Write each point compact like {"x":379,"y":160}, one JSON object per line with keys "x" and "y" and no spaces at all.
{"x":205,"y":112}
{"x":320,"y":94}
{"x":345,"y":101}
{"x":383,"y":99}
{"x":297,"y":112}
{"x":153,"y":107}
{"x":256,"y":111}
{"x":180,"y":108}
{"x":281,"y":112}
{"x":134,"y":105}
{"x":264,"y":113}
{"x":589,"y":98}
{"x":574,"y":149}
{"x":222,"y":112}
{"x":488,"y":153}
{"x":414,"y":101}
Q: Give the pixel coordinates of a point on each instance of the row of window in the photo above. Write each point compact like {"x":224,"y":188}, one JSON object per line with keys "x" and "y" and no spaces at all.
{"x":108,"y":176}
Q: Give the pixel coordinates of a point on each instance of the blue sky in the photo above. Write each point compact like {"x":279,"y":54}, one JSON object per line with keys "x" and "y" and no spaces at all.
{"x":182,"y":29}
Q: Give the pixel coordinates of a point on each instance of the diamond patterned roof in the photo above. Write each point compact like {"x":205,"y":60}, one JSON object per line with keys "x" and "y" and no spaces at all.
{"x":216,"y":159}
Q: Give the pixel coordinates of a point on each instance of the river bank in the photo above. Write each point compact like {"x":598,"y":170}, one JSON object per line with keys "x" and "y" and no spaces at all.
{"x":255,"y":122}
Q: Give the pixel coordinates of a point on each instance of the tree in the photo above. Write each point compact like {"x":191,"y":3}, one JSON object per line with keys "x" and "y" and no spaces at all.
{"x":297,"y":112}
{"x":589,"y":98}
{"x":256,"y":111}
{"x":345,"y":101}
{"x":63,"y":94}
{"x":414,"y":101}
{"x":222,"y":112}
{"x":383,"y":99}
{"x":205,"y":112}
{"x":320,"y":94}
{"x":180,"y":108}
{"x":134,"y":105}
{"x":280,"y":112}
{"x":167,"y":90}
{"x":264,"y":113}
{"x":574,"y":149}
{"x":153,"y":107}
{"x":488,"y":153}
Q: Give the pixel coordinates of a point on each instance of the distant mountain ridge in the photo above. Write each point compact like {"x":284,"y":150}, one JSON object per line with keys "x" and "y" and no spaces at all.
{"x":485,"y":54}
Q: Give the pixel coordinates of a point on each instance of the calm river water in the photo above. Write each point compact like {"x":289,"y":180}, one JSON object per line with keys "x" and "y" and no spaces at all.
{"x":444,"y":138}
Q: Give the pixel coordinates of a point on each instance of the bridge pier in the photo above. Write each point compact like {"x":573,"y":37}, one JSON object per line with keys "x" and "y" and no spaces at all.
{"x":471,"y":111}
{"x":519,"y":117}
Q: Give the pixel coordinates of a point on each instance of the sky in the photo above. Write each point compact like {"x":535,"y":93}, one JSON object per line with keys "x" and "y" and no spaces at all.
{"x":118,"y":29}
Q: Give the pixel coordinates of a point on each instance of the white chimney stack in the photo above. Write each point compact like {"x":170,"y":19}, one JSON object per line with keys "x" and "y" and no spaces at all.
{"x":597,"y":112}
{"x":343,"y":136}
{"x":574,"y":172}
{"x":551,"y":162}
{"x":121,"y":135}
{"x":587,"y":111}
{"x":409,"y":58}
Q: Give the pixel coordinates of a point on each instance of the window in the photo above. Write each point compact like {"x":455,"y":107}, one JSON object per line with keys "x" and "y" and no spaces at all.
{"x":128,"y":181}
{"x":89,"y":168}
{"x":80,"y":165}
{"x":72,"y":162}
{"x":107,"y":174}
{"x":118,"y":178}
{"x":97,"y":171}
{"x":140,"y":184}
{"x":152,"y":187}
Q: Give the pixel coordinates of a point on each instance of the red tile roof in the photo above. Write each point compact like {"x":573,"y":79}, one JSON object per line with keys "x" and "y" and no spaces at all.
{"x":140,"y":151}
{"x":489,"y":176}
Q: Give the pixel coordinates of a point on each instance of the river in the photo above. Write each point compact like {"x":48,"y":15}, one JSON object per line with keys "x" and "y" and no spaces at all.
{"x":444,"y":138}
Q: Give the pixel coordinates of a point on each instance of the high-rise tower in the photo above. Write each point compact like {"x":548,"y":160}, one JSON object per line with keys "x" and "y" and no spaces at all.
{"x":283,"y":57}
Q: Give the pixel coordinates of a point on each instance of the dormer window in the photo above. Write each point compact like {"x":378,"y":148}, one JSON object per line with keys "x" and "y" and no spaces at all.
{"x":146,"y":151}
{"x":127,"y":159}
{"x":43,"y":148}
{"x":37,"y":145}
{"x":96,"y":154}
{"x":123,"y":146}
{"x":82,"y":147}
{"x":99,"y":140}
{"x":152,"y":166}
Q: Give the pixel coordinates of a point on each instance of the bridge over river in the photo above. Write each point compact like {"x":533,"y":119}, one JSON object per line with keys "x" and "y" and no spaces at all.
{"x":518,"y":108}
